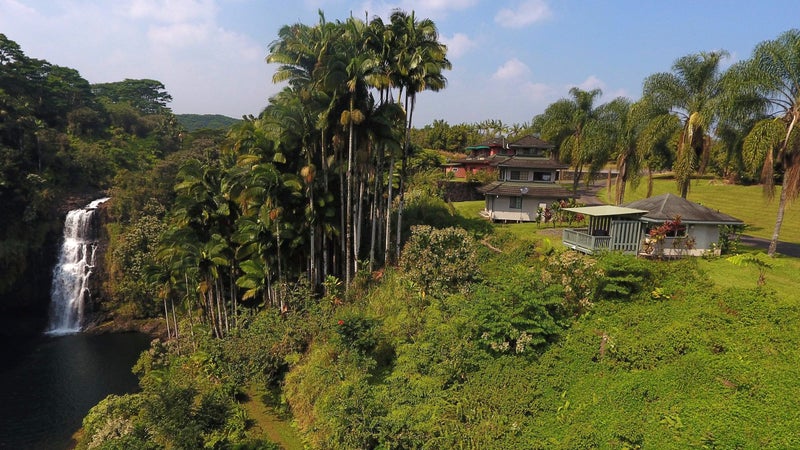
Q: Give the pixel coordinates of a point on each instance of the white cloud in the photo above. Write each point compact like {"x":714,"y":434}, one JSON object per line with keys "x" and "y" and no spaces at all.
{"x":457,"y":45}
{"x":539,"y":92}
{"x":511,"y":69}
{"x":592,"y":82}
{"x":526,"y":13}
{"x":432,"y":9}
{"x":173,"y":11}
{"x":178,"y":35}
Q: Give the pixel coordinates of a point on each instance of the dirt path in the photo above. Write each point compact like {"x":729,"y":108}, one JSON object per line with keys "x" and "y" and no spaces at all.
{"x":269,"y":423}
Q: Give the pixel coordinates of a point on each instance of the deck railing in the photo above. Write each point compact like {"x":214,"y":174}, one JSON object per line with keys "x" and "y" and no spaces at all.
{"x":580,"y":239}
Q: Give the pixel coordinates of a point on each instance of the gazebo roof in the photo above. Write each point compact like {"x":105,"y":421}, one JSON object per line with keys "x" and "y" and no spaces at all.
{"x":605,"y":211}
{"x":668,"y":207}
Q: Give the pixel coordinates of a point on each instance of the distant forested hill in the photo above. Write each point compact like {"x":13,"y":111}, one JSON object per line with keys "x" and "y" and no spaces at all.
{"x":193,"y":122}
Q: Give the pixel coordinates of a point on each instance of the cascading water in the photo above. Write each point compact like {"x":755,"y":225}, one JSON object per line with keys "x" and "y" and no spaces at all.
{"x":71,"y":274}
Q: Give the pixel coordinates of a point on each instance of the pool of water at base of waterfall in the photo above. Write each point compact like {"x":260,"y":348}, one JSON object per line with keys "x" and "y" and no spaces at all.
{"x":49,"y":383}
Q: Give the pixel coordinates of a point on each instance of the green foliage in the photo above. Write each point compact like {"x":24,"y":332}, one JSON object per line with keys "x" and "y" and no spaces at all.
{"x":194,"y":122}
{"x":578,"y":275}
{"x":146,"y":96}
{"x":439,"y":260}
{"x":356,"y":332}
{"x":624,"y":276}
{"x":519,"y":315}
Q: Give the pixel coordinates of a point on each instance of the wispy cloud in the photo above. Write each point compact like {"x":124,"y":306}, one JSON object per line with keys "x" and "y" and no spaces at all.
{"x":510,"y":70}
{"x":526,"y":13}
{"x":433,"y":9}
{"x":457,"y":45}
{"x":591,"y":82}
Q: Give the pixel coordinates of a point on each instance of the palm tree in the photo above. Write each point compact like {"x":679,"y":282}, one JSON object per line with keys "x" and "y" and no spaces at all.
{"x":692,"y":92}
{"x":773,"y":74}
{"x":639,"y":131}
{"x":419,"y":60}
{"x":573,"y":126}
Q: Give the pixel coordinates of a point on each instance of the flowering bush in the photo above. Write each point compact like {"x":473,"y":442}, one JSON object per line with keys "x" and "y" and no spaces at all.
{"x":578,"y":275}
{"x":438,"y":260}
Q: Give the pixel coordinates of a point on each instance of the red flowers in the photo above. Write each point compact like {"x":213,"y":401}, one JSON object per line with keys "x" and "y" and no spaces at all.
{"x":340,"y":322}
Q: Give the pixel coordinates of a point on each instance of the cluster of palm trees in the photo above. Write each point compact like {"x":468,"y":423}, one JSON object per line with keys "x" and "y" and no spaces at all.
{"x":751,"y":110}
{"x":311,"y":185}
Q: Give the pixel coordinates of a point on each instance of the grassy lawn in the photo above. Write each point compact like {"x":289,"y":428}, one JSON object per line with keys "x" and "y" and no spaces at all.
{"x":743,"y":202}
{"x":525,"y":230}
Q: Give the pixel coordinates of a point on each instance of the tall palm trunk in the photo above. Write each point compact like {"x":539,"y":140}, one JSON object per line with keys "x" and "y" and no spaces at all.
{"x":359,"y":219}
{"x":325,"y":269}
{"x":387,"y":247}
{"x":404,"y":173}
{"x":349,"y":207}
{"x":773,"y":243}
{"x":378,"y":172}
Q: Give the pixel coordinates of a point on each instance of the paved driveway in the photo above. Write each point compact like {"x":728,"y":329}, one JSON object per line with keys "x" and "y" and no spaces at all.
{"x":784,"y":248}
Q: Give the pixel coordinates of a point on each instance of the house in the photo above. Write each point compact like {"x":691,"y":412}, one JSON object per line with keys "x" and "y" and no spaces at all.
{"x":527,"y":174}
{"x":686,"y":228}
{"x":479,"y":158}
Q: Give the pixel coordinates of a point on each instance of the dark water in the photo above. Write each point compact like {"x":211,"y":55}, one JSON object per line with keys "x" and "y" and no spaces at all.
{"x":48,"y":384}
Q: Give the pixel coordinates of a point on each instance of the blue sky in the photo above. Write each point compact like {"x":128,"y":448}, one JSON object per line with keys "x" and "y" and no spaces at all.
{"x":511,"y":59}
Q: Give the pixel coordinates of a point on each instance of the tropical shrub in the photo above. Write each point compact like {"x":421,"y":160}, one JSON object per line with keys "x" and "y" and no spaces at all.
{"x":623,"y":276}
{"x":439,"y":260}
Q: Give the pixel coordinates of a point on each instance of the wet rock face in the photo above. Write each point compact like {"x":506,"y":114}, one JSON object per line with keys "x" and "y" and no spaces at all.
{"x":24,"y":306}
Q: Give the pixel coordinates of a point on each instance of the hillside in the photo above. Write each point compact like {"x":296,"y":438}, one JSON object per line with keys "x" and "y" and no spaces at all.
{"x":194,"y":122}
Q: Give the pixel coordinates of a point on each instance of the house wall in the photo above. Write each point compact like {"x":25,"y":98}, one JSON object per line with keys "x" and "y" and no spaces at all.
{"x":457,"y":171}
{"x":705,"y":237}
{"x":528,"y":175}
{"x":499,"y":208}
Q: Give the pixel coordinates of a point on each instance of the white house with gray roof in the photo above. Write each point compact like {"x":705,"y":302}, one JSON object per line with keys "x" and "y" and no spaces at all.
{"x":626,"y":228}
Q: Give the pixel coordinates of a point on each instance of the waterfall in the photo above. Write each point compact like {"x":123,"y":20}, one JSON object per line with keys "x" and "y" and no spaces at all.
{"x":71,"y":274}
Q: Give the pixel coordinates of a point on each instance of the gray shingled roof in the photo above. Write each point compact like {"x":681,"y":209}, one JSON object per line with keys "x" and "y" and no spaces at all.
{"x":530,"y":163}
{"x":531,"y":141}
{"x":538,"y":190}
{"x":668,"y":207}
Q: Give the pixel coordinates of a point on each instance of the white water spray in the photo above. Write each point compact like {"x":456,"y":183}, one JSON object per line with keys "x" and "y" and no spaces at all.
{"x":71,"y":274}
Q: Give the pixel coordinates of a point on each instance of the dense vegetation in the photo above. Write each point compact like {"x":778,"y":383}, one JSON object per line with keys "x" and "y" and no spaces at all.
{"x":62,"y":142}
{"x":194,"y":122}
{"x":528,"y":348}
{"x":307,"y":252}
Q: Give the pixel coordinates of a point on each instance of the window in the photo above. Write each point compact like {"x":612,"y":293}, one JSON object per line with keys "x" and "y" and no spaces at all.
{"x":534,"y":152}
{"x":516,"y":203}
{"x":518,"y":175}
{"x":542,"y":176}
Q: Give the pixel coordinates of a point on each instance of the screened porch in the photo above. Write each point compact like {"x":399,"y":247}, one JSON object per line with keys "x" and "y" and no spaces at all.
{"x":610,"y":228}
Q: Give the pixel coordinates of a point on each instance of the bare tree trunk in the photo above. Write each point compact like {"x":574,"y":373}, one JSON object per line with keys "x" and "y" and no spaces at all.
{"x":649,"y":182}
{"x":359,"y":224}
{"x":174,"y":318}
{"x":404,"y":174}
{"x":374,"y":210}
{"x":166,"y":317}
{"x":349,"y":210}
{"x":773,"y":243}
{"x":224,"y":305}
{"x":388,"y":240}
